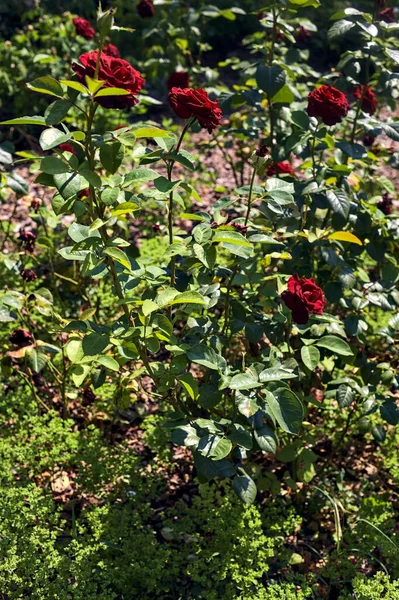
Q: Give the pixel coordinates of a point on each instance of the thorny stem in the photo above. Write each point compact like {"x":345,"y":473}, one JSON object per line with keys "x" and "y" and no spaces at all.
{"x":170,"y":165}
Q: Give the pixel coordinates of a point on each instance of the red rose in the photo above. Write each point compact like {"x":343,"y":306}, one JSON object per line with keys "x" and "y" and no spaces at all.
{"x":83,"y":28}
{"x":328,"y":103}
{"x":282,"y":168}
{"x":27,"y":239}
{"x":386,"y":204}
{"x":303,"y":297}
{"x":179,"y":79}
{"x":28,"y":275}
{"x":83,"y":193}
{"x":116,"y":72}
{"x":188,"y":103}
{"x":146,"y":9}
{"x":302,"y":34}
{"x":21,"y":338}
{"x":386,"y":15}
{"x":111,"y":50}
{"x":67,"y":148}
{"x":369,"y":101}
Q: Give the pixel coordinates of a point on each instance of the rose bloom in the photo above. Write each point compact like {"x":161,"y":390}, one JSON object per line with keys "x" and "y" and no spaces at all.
{"x":21,"y":338}
{"x":386,"y":204}
{"x":83,"y":193}
{"x":28,"y":275}
{"x":179,"y":79}
{"x":146,"y":9}
{"x":188,"y":103}
{"x":67,"y":148}
{"x":115,"y":72}
{"x":369,"y":102}
{"x":283,"y":168}
{"x":328,"y":103}
{"x":111,"y":50}
{"x":83,"y":28}
{"x":386,"y":15}
{"x":303,"y":296}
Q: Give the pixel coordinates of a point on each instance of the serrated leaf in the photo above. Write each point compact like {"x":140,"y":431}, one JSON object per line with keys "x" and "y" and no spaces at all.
{"x":244,"y":487}
{"x":190,"y":384}
{"x":108,"y":362}
{"x":335,"y":345}
{"x":266,"y":439}
{"x":118,"y":255}
{"x":46,"y":85}
{"x":244,"y":381}
{"x":310,"y":356}
{"x":345,"y":396}
{"x":286,"y":408}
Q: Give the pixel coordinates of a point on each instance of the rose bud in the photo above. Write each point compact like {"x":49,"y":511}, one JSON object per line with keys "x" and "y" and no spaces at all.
{"x":303,"y":296}
{"x":368,"y":140}
{"x":67,"y":148}
{"x":88,"y":396}
{"x":179,"y":79}
{"x":28,"y":275}
{"x":35,"y":204}
{"x":387,"y":15}
{"x":116,"y":73}
{"x":21,"y":338}
{"x":283,"y":168}
{"x":83,"y":194}
{"x":328,"y":103}
{"x":83,"y":28}
{"x":386,"y":204}
{"x":367,"y":96}
{"x":156,"y":227}
{"x":195,"y":103}
{"x":111,"y":50}
{"x":146,"y":9}
{"x":240,"y":228}
{"x":262,"y":151}
{"x":28,"y":240}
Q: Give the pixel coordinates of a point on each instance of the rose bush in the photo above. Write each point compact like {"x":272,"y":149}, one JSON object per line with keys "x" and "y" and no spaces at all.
{"x":237,"y":361}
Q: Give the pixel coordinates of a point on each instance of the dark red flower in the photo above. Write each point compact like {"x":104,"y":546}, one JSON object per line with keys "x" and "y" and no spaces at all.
{"x":35,"y":204}
{"x":27,"y":239}
{"x":188,"y":103}
{"x":83,"y":28}
{"x":116,"y":73}
{"x":303,"y":296}
{"x":156,"y":227}
{"x":386,"y":204}
{"x":302,"y":34}
{"x":67,"y":148}
{"x":262,"y":151}
{"x":179,"y":79}
{"x":146,"y":9}
{"x":83,"y":193}
{"x":328,"y":103}
{"x":28,"y":275}
{"x":283,"y":168}
{"x":368,"y":140}
{"x":111,"y":50}
{"x":21,"y":338}
{"x":88,"y":396}
{"x":387,"y":15}
{"x":369,"y":101}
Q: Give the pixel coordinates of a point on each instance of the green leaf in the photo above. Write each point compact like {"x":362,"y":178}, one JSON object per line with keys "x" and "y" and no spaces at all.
{"x":94,"y":343}
{"x":79,"y":374}
{"x":232,"y":237}
{"x":266,"y":439}
{"x":68,"y":184}
{"x":339,"y":203}
{"x":335,"y":344}
{"x":390,"y":412}
{"x":188,"y":298}
{"x":50,"y":138}
{"x":206,"y":356}
{"x":244,"y":487}
{"x":345,"y":236}
{"x":244,"y":381}
{"x":112,"y":92}
{"x":148,"y":307}
{"x":190,"y":384}
{"x":339,"y":29}
{"x":270,"y":79}
{"x":54,"y":165}
{"x":185,"y":435}
{"x":118,"y":255}
{"x":150,"y":132}
{"x":276,"y":374}
{"x":36,"y":360}
{"x":215,"y":447}
{"x":111,"y":156}
{"x":345,"y":396}
{"x":310,"y":356}
{"x":208,"y":469}
{"x":286,"y":408}
{"x":108,"y":362}
{"x":35,"y":120}
{"x":241,"y":436}
{"x":394,"y":54}
{"x":46,"y":85}
{"x":75,"y":85}
{"x":141,"y":174}
{"x":379,"y":433}
{"x":56,"y":111}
